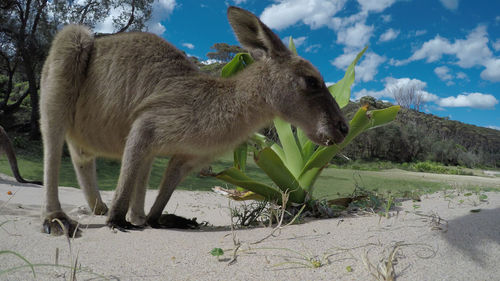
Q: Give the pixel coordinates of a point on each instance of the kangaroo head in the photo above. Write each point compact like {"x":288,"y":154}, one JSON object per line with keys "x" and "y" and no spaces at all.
{"x":295,"y":91}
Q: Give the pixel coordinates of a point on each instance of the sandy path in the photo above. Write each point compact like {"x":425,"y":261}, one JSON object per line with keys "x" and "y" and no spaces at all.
{"x":462,"y":246}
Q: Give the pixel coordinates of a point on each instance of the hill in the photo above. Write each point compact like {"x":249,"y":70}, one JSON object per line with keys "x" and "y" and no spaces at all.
{"x":418,"y":136}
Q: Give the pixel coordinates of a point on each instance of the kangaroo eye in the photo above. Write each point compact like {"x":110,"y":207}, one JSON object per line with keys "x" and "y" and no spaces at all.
{"x":312,"y":82}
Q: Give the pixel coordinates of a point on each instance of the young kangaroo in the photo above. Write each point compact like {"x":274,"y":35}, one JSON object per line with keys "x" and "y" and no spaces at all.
{"x":133,"y":96}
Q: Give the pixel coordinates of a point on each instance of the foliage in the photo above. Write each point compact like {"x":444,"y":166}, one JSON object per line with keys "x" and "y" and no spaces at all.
{"x":29,"y":26}
{"x":224,"y":52}
{"x":295,"y":164}
{"x":417,"y":136}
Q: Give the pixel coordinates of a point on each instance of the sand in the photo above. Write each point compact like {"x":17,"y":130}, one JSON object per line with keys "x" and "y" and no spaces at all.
{"x":438,"y":238}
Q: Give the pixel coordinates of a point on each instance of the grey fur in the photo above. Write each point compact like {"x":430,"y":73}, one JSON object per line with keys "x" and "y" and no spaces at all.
{"x":133,"y":96}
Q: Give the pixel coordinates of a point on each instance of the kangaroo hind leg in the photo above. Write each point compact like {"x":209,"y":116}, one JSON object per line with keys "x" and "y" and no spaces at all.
{"x":85,"y":168}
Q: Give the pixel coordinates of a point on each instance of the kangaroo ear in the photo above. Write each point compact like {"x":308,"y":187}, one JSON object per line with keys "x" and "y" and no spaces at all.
{"x":255,"y":36}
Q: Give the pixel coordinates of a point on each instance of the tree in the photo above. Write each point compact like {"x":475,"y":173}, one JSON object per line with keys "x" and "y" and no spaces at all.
{"x":29,"y":26}
{"x":408,"y":95}
{"x":224,"y":52}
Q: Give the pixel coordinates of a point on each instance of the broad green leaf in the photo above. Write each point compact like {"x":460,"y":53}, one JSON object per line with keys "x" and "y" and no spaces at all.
{"x":279,"y":151}
{"x":361,"y":121}
{"x":293,"y":154}
{"x":291,"y":46}
{"x":383,"y":116}
{"x":238,"y":178}
{"x":240,"y":157}
{"x":275,"y":169}
{"x":240,"y":61}
{"x":341,"y":90}
{"x":308,"y":149}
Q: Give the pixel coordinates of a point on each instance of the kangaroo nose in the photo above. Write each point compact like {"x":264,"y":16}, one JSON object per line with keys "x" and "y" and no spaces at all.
{"x":343,"y":128}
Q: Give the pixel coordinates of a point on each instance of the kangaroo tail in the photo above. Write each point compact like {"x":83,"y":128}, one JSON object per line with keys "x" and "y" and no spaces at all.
{"x":70,"y":52}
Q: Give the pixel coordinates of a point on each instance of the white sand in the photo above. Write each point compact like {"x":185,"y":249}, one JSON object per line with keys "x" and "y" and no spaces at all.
{"x":464,"y":247}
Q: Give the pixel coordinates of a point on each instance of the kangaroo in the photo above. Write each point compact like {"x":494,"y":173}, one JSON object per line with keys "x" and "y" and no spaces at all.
{"x":8,"y":149}
{"x":134,"y":96}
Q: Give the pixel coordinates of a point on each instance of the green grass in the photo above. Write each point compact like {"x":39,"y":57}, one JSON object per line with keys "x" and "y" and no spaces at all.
{"x":332,"y":183}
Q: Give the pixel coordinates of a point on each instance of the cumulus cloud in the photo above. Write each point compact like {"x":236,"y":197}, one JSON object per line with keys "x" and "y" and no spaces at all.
{"x":492,"y":71}
{"x":496,"y":45}
{"x":357,"y":35}
{"x":375,"y":5}
{"x":469,"y":52}
{"x":386,"y":18}
{"x":161,"y":10}
{"x":367,"y":69}
{"x":389,"y":35}
{"x":188,"y":45}
{"x":420,"y":32}
{"x":391,"y":83}
{"x":313,"y":48}
{"x":238,"y":2}
{"x":443,"y":72}
{"x":473,"y":100}
{"x":314,"y":13}
{"x":297,"y":41}
{"x":450,"y":4}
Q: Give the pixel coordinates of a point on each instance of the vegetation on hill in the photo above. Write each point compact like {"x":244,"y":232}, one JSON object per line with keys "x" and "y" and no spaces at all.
{"x":417,"y":136}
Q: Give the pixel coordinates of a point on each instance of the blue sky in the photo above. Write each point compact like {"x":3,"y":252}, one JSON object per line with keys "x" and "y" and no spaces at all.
{"x":449,"y":49}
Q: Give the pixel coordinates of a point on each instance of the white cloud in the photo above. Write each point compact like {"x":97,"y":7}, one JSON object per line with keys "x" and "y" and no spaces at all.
{"x":156,"y":28}
{"x":106,"y":26}
{"x":461,"y":75}
{"x":365,"y":92}
{"x":443,"y":72}
{"x":391,"y":83}
{"x":375,"y":5}
{"x":355,"y":36}
{"x":470,"y":52}
{"x":494,"y":127}
{"x":450,"y":4}
{"x":496,"y":45}
{"x":161,"y":10}
{"x":314,"y":13}
{"x":344,"y":60}
{"x":188,"y":45}
{"x":473,"y":100}
{"x":238,"y":2}
{"x":313,"y":48}
{"x":492,"y":71}
{"x":389,"y":35}
{"x":386,"y":18}
{"x":420,"y":32}
{"x":210,"y":61}
{"x":367,"y":69}
{"x":297,"y":41}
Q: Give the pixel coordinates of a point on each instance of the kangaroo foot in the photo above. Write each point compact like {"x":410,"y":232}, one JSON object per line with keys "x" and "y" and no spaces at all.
{"x":100,"y":209}
{"x":58,"y":223}
{"x":121,"y":224}
{"x":173,"y":221}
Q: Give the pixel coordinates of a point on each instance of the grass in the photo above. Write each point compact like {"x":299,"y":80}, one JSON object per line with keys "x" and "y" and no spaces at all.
{"x":333,"y":182}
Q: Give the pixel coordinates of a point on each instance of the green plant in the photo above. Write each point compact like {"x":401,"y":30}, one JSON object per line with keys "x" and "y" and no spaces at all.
{"x":295,"y":165}
{"x":217,"y":252}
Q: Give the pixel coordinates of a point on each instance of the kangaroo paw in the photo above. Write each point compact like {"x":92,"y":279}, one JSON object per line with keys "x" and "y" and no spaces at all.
{"x":58,"y":223}
{"x":121,"y":224}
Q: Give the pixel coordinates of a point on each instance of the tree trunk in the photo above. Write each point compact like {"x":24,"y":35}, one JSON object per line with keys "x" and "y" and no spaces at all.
{"x":35,"y":112}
